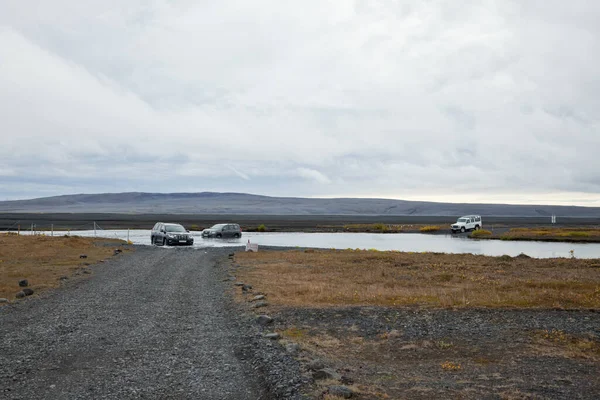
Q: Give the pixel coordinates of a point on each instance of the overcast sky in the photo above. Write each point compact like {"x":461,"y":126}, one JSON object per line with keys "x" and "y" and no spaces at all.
{"x":476,"y":101}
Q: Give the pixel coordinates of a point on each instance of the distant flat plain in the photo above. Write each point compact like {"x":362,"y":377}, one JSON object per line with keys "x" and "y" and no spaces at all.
{"x":275,"y":223}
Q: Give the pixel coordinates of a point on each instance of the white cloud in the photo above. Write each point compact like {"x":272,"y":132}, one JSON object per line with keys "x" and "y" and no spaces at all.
{"x":487,"y":99}
{"x":313,"y":175}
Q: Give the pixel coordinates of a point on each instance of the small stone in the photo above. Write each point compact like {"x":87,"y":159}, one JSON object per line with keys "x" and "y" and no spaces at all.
{"x":315,"y":365}
{"x":273,"y":336}
{"x":20,"y":295}
{"x":260,"y":304}
{"x":264,"y":320}
{"x":326,"y":373}
{"x":23,"y":283}
{"x":3,"y":300}
{"x":292,"y":348}
{"x":86,"y":271}
{"x":259,"y":297}
{"x":346,"y":380}
{"x":117,"y":251}
{"x":394,"y":334}
{"x":340,"y":391}
{"x":63,"y":278}
{"x":28,"y":292}
{"x":246,"y":288}
{"x":83,"y":256}
{"x":231,"y":254}
{"x":239,"y":284}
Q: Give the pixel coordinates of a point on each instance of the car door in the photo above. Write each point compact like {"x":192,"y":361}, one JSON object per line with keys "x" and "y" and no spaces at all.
{"x":160,"y":233}
{"x":227,"y":231}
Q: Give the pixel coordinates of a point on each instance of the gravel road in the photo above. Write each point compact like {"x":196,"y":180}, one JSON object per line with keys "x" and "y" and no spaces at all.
{"x":154,"y":323}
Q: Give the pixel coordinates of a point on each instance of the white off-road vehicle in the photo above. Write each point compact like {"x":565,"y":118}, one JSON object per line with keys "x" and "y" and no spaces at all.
{"x":467,"y":223}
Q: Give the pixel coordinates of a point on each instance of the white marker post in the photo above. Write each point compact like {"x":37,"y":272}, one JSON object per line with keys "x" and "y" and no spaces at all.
{"x":252,"y":246}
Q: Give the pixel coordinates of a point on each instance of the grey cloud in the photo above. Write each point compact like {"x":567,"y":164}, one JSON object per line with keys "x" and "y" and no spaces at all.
{"x":318,"y":98}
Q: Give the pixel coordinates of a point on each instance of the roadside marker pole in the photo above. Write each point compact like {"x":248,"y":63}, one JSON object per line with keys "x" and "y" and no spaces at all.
{"x":94,"y":228}
{"x":19,"y":231}
{"x":52,"y":229}
{"x":127,"y":235}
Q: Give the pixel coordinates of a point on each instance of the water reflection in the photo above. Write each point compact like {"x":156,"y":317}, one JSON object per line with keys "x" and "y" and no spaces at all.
{"x":402,"y":242}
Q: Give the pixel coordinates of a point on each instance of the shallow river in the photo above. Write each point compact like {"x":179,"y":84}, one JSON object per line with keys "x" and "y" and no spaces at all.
{"x":402,"y":242}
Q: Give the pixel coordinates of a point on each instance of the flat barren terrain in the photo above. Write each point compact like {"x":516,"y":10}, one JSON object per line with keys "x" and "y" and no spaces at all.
{"x":390,"y":325}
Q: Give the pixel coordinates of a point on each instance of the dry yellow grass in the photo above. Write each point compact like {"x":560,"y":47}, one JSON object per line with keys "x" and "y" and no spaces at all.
{"x":392,"y":228}
{"x":348,"y":277}
{"x":429,"y":229}
{"x":42,"y":260}
{"x":559,"y":234}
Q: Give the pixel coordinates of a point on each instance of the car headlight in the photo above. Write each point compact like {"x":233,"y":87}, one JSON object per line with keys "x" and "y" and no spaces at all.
{"x":170,"y":236}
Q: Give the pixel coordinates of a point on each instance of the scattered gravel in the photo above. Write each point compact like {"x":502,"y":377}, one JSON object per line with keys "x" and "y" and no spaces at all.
{"x":154,"y":323}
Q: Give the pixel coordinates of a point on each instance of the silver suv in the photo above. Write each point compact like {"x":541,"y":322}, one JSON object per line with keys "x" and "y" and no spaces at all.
{"x":223,"y":231}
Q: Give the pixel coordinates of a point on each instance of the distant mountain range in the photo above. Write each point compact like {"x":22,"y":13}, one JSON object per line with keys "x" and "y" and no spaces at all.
{"x":240,"y":203}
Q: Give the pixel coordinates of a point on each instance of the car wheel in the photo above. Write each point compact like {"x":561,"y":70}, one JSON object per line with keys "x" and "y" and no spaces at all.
{"x":218,"y":235}
{"x":237,"y":235}
{"x":476,"y":227}
{"x":462,"y":229}
{"x":164,"y":241}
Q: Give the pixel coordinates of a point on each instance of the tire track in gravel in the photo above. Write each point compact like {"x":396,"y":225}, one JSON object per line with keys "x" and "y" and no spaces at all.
{"x":151,"y":324}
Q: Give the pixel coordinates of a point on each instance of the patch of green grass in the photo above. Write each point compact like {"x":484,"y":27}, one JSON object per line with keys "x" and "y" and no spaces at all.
{"x":294,"y":333}
{"x":380,"y":227}
{"x":480,"y":233}
{"x":578,"y":234}
{"x":444,"y":345}
{"x":261,"y":228}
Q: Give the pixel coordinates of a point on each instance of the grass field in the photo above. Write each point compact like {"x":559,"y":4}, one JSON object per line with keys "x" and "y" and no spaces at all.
{"x":423,"y":325}
{"x":350,"y":277}
{"x":42,"y":260}
{"x":590,"y":234}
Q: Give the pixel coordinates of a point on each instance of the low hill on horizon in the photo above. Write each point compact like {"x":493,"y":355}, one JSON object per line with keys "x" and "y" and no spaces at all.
{"x":241,"y":203}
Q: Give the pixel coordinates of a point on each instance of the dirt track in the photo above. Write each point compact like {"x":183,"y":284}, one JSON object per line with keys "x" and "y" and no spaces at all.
{"x":156,"y":323}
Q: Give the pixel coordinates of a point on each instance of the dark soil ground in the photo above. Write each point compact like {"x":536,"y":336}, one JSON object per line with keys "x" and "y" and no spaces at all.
{"x":411,"y":353}
{"x":424,"y":352}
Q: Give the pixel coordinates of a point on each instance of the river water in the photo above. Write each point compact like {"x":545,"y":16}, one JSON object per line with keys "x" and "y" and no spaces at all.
{"x":409,"y":242}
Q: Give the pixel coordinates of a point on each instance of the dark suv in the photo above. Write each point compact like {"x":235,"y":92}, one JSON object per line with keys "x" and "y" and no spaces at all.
{"x":223,"y":231}
{"x":170,"y":234}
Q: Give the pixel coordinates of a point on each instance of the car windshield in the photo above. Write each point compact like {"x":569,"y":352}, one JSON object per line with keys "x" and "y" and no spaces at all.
{"x":175,"y":228}
{"x":217,"y":226}
{"x":462,"y":220}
